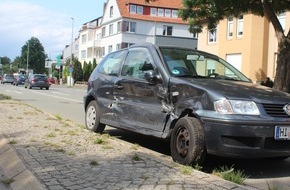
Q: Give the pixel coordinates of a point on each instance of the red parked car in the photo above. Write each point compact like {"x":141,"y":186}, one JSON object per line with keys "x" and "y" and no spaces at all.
{"x":51,"y":80}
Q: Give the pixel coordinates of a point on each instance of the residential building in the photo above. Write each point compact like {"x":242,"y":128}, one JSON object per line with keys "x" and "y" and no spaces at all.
{"x":67,"y":52}
{"x":127,"y":22}
{"x":90,"y":41}
{"x":248,"y":42}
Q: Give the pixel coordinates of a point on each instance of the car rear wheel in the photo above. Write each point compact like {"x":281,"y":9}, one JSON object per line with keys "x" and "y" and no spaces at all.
{"x":187,"y":142}
{"x":93,"y":118}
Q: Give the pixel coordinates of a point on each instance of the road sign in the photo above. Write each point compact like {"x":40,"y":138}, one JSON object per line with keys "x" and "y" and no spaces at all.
{"x":71,"y":69}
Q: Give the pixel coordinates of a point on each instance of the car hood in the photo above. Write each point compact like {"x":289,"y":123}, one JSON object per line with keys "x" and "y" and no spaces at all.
{"x":240,"y":90}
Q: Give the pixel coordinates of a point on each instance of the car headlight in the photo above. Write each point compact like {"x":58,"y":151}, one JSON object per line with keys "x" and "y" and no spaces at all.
{"x":242,"y":107}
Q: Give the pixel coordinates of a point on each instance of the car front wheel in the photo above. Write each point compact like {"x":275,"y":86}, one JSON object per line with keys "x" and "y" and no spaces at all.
{"x":93,"y":118}
{"x":187,"y":142}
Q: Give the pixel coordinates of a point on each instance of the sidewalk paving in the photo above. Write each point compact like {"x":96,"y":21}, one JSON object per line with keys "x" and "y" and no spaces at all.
{"x":41,"y":151}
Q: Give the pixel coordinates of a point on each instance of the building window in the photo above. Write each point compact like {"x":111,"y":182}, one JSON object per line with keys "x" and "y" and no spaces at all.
{"x":212,"y":34}
{"x":167,"y":30}
{"x":126,"y":45}
{"x":167,"y":13}
{"x":282,"y":20}
{"x":118,"y":46}
{"x":110,"y":48}
{"x":230,"y":27}
{"x":103,"y":31}
{"x":174,"y":13}
{"x":153,"y":12}
{"x":83,"y":54}
{"x":111,"y":29}
{"x":161,"y":12}
{"x":84,"y":38}
{"x":129,"y":26}
{"x":140,"y":10}
{"x":119,"y":26}
{"x":111,"y":11}
{"x":132,"y":8}
{"x":103,"y":51}
{"x":240,"y":26}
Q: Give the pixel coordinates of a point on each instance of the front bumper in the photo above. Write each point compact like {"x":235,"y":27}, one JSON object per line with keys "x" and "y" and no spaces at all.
{"x":244,"y":138}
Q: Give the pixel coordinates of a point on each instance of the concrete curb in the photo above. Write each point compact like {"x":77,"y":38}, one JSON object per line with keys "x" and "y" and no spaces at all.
{"x":13,"y":168}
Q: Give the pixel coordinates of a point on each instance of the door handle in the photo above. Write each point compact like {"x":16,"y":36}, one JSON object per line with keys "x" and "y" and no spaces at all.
{"x":118,"y":86}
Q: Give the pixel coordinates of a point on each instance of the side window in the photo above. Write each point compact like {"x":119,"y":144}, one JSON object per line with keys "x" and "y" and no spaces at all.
{"x":137,"y":63}
{"x":111,"y":64}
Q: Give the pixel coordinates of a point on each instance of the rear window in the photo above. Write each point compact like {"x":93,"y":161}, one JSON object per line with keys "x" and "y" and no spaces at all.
{"x":9,"y":76}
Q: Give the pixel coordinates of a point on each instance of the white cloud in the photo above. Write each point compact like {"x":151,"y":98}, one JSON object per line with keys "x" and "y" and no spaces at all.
{"x":19,"y":21}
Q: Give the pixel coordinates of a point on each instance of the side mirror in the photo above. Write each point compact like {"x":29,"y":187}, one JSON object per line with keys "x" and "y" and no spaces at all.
{"x":151,"y":77}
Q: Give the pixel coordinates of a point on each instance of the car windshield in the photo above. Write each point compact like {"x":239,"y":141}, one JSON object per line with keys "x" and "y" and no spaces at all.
{"x":192,"y":63}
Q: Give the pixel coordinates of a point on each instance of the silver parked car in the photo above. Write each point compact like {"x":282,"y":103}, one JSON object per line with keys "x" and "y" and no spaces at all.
{"x":7,"y":78}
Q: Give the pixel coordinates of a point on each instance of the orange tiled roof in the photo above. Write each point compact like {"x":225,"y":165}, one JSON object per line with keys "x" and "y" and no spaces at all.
{"x":170,"y":4}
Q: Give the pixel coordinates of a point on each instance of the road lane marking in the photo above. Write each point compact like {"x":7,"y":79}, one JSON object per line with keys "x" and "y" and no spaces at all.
{"x":64,"y":98}
{"x":14,"y":91}
{"x":60,"y":93}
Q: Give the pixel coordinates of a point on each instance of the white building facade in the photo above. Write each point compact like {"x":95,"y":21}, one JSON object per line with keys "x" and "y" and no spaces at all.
{"x":127,"y":22}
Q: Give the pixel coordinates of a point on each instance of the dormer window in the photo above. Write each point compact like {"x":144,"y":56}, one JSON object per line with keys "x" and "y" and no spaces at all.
{"x":161,"y":12}
{"x":140,"y":10}
{"x":167,"y":13}
{"x":132,"y":8}
{"x":174,"y":13}
{"x":153,"y":11}
{"x":111,"y":11}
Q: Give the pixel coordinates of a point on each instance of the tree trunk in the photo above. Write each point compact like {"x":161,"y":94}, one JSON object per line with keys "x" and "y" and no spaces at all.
{"x":282,"y":77}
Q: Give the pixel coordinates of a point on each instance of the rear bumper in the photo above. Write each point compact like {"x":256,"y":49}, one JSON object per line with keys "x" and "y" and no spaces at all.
{"x":40,"y":85}
{"x":244,"y":139}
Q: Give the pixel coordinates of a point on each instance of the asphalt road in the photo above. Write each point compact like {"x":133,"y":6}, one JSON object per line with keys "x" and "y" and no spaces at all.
{"x":67,"y":102}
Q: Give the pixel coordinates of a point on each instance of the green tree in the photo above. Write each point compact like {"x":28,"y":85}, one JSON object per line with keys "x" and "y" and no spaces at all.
{"x":17,"y":62}
{"x":77,"y":73}
{"x":199,"y":12}
{"x":94,"y":64}
{"x":86,"y":71}
{"x":90,"y":68}
{"x":5,"y":61}
{"x":33,"y":51}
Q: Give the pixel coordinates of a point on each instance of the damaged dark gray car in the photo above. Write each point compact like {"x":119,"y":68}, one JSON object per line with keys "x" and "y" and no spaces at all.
{"x":198,"y":101}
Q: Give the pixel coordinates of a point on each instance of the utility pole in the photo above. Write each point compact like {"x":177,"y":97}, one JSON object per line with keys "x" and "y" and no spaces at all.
{"x":71,"y":53}
{"x":27,"y":59}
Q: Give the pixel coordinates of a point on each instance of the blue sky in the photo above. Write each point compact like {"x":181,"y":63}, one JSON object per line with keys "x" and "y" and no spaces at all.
{"x":48,"y":20}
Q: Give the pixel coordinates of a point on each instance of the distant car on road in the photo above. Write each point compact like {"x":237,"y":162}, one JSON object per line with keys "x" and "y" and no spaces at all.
{"x":7,"y":78}
{"x":37,"y":80}
{"x":19,"y":80}
{"x":51,"y":80}
{"x":196,"y":100}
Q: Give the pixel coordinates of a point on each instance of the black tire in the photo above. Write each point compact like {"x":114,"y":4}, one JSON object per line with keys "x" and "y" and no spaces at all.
{"x":92,"y":118}
{"x":47,"y":88}
{"x":187,"y":143}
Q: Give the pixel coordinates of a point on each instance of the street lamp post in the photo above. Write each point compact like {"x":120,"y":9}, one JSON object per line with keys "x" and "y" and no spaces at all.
{"x":71,"y":52}
{"x":27,"y":59}
{"x":1,"y":67}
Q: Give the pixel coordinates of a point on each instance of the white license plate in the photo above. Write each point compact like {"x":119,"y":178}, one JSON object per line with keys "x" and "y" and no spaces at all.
{"x":282,"y":133}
